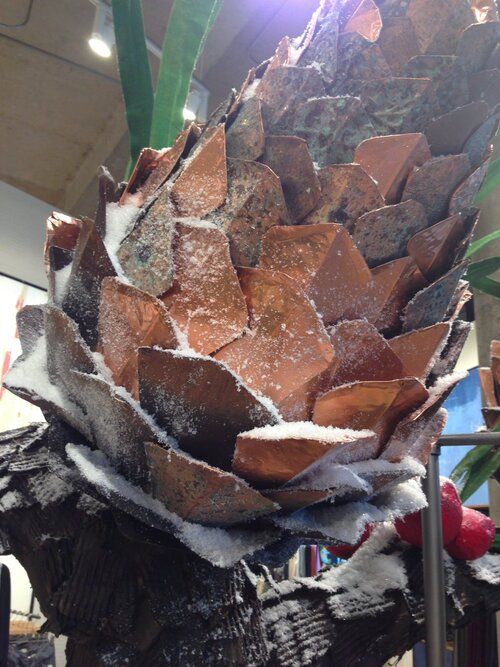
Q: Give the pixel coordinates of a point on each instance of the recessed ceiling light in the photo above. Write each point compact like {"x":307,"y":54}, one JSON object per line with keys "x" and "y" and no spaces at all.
{"x":103,"y":37}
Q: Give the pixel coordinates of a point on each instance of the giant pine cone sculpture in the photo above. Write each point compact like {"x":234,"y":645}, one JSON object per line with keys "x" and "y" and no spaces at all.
{"x":253,"y":339}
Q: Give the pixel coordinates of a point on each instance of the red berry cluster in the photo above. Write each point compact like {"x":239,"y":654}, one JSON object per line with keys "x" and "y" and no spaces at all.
{"x":467,"y":534}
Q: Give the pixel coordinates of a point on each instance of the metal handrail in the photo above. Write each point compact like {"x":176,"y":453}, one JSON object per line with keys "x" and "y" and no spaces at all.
{"x":434,"y":595}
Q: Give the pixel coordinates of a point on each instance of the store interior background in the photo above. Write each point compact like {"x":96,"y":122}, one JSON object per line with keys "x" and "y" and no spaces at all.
{"x":62,"y":116}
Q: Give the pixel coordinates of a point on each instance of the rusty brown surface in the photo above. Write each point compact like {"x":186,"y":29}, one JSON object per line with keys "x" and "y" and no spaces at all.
{"x":365,"y":20}
{"x":201,"y":493}
{"x":62,"y":231}
{"x":434,"y":248}
{"x":253,"y":188}
{"x":289,"y":158}
{"x":434,"y":182}
{"x":200,"y":402}
{"x":273,"y":461}
{"x":374,"y":405}
{"x":286,"y":344}
{"x":463,"y":197}
{"x":91,"y":264}
{"x":362,"y":354}
{"x":439,"y":23}
{"x":398,"y":42}
{"x":346,"y":193}
{"x":415,"y":437}
{"x":294,"y":499}
{"x":245,"y":137}
{"x":448,"y":133}
{"x":129,"y":319}
{"x":488,"y":388}
{"x":324,"y":260}
{"x":201,"y":185}
{"x":431,"y":304}
{"x":205,"y":300}
{"x":419,"y":349}
{"x":390,"y":159}
{"x":382,"y":235}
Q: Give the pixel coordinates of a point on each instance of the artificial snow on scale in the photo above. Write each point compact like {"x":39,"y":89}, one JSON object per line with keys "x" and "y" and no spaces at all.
{"x":252,"y":341}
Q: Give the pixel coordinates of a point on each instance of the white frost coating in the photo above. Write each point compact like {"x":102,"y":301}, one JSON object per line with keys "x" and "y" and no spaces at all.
{"x":10,"y":501}
{"x":61,"y":278}
{"x":364,"y":580}
{"x":346,"y":523}
{"x":306,"y":430}
{"x":264,"y":400}
{"x":119,"y":222}
{"x":446,"y":381}
{"x":219,"y":546}
{"x":30,"y":373}
{"x":381,"y":466}
{"x":250,"y":91}
{"x":486,"y":568}
{"x":197,"y":223}
{"x":339,"y":477}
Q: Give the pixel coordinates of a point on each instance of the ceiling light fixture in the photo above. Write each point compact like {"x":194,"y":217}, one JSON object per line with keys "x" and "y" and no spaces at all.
{"x":103,"y":37}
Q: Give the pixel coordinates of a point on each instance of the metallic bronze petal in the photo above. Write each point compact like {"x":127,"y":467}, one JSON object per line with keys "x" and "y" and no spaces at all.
{"x":478,"y":145}
{"x":439,"y":23}
{"x":66,"y":350}
{"x":362,"y":354}
{"x":281,"y":90}
{"x":146,"y":163}
{"x":245,"y":137}
{"x":198,"y":492}
{"x":485,"y":86}
{"x":294,"y":499}
{"x":449,"y":356}
{"x":365,"y":20}
{"x":91,"y":264}
{"x":289,"y":158}
{"x":201,"y":186}
{"x":488,"y":387}
{"x":382,"y":235}
{"x":463,"y":197}
{"x":448,"y":133}
{"x":325,"y":263}
{"x":298,"y":406}
{"x":447,"y":75}
{"x":62,"y":231}
{"x":399,"y":104}
{"x":286,"y":345}
{"x":30,"y":322}
{"x":145,"y":256}
{"x":476,"y":44}
{"x":129,"y":319}
{"x":394,"y":284}
{"x":323,"y":48}
{"x":433,"y":183}
{"x":201,"y":403}
{"x":430,"y":304}
{"x":275,"y":455}
{"x":389,"y":160}
{"x":377,"y":405}
{"x":358,"y":60}
{"x":118,"y":429}
{"x":434,"y":248}
{"x":253,"y":188}
{"x":419,"y":349}
{"x":346,"y":193}
{"x":332,"y":127}
{"x":398,"y":42}
{"x":205,"y":300}
{"x":168,"y":160}
{"x":415,"y":437}
{"x":460,"y":297}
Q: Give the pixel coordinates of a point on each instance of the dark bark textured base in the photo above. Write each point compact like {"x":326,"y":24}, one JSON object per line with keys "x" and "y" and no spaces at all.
{"x":125,"y":594}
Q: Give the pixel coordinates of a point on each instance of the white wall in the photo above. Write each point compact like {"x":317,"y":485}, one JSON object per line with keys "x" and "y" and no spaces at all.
{"x":22,"y":234}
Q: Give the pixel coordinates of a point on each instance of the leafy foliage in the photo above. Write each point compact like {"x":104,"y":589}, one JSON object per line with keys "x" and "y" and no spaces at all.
{"x":480,"y":463}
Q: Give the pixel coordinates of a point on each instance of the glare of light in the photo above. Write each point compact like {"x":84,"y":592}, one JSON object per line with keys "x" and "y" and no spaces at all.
{"x":103,"y":37}
{"x":188,"y":114}
{"x":99,"y":46}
